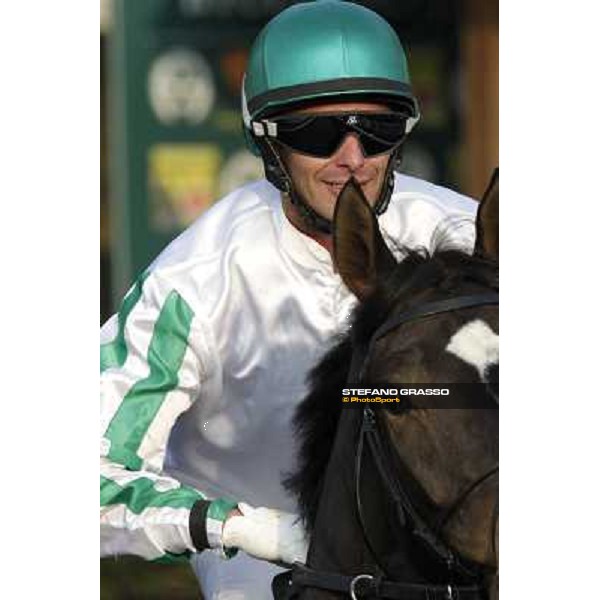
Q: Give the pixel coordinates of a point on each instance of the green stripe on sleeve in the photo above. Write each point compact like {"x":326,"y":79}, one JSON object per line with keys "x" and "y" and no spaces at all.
{"x":140,"y":405}
{"x":141,"y":494}
{"x":113,"y":354}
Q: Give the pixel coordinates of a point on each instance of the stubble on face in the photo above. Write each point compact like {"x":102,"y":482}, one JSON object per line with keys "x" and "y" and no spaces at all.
{"x":319,"y":180}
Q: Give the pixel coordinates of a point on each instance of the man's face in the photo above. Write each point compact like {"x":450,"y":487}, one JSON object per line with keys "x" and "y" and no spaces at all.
{"x":320,"y":180}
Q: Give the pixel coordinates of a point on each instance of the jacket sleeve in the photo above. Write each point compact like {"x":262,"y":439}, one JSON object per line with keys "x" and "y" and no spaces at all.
{"x":152,"y":361}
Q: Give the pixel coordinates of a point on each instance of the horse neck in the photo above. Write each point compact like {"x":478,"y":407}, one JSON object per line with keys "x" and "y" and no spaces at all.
{"x":338,"y":541}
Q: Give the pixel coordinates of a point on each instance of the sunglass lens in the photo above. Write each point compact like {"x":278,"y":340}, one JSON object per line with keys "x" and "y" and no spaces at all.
{"x":317,"y":136}
{"x":380,"y":133}
{"x":321,"y":135}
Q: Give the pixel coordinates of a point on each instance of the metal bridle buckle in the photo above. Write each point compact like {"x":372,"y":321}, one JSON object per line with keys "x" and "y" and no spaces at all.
{"x":355,"y":581}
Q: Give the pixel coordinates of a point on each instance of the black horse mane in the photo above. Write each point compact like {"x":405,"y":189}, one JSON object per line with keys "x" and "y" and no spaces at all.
{"x":317,"y":416}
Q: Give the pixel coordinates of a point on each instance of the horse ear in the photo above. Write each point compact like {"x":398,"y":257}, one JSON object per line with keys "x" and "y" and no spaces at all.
{"x":359,"y":252}
{"x":488,"y":234}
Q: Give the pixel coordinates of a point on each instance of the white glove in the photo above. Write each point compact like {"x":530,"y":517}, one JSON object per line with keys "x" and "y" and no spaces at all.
{"x":267,"y":534}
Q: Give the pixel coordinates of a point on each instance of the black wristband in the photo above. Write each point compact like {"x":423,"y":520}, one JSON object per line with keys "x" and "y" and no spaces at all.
{"x":198,"y":525}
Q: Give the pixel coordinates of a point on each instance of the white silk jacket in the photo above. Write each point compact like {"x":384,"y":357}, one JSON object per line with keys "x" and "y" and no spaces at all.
{"x":205,"y":362}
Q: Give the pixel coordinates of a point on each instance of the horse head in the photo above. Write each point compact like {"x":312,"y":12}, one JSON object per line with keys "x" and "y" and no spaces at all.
{"x":445,"y":450}
{"x":443,"y":458}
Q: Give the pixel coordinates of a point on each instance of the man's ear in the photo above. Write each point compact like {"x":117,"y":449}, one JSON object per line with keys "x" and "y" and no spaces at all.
{"x":487,"y":242}
{"x":359,"y":252}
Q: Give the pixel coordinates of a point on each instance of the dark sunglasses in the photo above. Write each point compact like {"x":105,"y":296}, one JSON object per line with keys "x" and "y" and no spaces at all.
{"x":320,"y":135}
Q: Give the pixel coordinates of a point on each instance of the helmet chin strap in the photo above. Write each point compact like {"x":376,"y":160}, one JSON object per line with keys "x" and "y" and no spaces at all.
{"x":277,"y":173}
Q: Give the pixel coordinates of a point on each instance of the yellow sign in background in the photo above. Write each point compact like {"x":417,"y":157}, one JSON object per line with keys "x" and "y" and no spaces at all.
{"x":182,"y":183}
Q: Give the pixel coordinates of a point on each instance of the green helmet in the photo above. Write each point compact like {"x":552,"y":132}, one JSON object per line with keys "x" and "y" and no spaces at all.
{"x":325,"y":49}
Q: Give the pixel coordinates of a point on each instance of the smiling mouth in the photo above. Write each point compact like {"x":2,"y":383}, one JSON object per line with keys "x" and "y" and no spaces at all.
{"x":336,"y":186}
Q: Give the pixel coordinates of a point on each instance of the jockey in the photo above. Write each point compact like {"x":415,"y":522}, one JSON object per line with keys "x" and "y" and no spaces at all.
{"x":206,"y":360}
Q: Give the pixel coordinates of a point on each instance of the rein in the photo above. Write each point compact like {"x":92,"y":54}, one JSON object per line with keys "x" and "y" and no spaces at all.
{"x":406,"y":511}
{"x":370,"y":585}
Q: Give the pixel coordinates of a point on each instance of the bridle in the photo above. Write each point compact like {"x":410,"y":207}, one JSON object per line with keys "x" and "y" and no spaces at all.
{"x":428,"y":309}
{"x":380,"y":586}
{"x":410,"y":512}
{"x":404,"y":489}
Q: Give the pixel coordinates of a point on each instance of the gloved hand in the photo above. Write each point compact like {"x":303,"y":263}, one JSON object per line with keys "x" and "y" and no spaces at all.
{"x":267,"y":534}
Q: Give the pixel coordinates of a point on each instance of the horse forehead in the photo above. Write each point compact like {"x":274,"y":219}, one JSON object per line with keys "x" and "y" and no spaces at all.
{"x":476,"y":344}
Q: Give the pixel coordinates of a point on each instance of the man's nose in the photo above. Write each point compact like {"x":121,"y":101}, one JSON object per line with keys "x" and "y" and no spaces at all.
{"x":350,"y":153}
